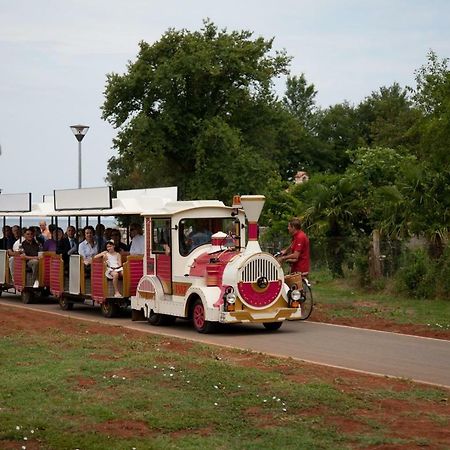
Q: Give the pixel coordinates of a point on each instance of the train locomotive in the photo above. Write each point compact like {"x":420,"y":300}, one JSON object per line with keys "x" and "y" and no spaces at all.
{"x":226,"y":279}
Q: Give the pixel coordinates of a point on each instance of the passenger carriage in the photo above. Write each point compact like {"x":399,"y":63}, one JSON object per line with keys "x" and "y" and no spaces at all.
{"x":73,"y":284}
{"x":19,"y":206}
{"x":77,"y":285}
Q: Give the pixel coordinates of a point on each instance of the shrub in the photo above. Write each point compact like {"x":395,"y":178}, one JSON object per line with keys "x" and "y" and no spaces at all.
{"x":442,"y":275}
{"x":415,"y":275}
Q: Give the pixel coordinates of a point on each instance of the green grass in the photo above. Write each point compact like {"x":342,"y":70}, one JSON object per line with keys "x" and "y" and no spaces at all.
{"x":94,"y":391}
{"x":346,"y":300}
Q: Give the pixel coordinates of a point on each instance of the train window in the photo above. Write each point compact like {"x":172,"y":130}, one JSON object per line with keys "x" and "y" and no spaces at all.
{"x":193,"y":233}
{"x":161,"y":236}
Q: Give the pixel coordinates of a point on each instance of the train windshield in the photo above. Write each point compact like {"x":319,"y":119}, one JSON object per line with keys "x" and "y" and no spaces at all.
{"x":193,"y":233}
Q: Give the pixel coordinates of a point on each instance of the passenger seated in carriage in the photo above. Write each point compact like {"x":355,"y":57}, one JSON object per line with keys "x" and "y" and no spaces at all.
{"x":16,"y":249}
{"x":107,"y":234}
{"x":118,"y":244}
{"x":114,"y":267}
{"x":51,"y":245}
{"x":99,"y":237}
{"x":88,"y":248}
{"x":45,"y":232}
{"x":7,"y":241}
{"x":68,"y":245}
{"x":137,"y":246}
{"x":31,"y":250}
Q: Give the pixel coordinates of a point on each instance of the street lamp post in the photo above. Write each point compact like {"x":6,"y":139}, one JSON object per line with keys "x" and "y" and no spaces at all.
{"x":79,"y":131}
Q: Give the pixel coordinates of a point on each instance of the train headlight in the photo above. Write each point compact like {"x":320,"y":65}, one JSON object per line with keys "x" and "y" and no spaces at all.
{"x":262,"y":282}
{"x":296,"y":295}
{"x":231,"y":298}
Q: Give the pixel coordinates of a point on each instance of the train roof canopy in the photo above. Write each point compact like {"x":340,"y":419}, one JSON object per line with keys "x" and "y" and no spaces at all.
{"x":15,"y":203}
{"x":172,"y":208}
{"x":95,"y":202}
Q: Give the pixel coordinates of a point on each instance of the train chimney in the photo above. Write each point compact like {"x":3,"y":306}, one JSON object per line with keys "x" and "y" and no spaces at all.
{"x":253,"y":205}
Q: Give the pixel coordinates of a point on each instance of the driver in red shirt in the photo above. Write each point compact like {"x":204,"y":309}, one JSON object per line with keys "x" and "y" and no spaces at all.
{"x":297,"y":254}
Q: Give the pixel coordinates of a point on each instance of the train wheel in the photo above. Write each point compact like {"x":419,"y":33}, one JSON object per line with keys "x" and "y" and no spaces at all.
{"x":64,"y":304}
{"x":160,"y":319}
{"x":155,"y":319}
{"x":272,"y":326}
{"x":109,"y":309}
{"x":199,"y":318}
{"x":45,"y":292}
{"x":27,"y":296}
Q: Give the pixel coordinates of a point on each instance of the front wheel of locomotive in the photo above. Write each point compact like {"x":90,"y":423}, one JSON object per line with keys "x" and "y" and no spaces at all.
{"x":272,"y":326}
{"x":199,"y":318}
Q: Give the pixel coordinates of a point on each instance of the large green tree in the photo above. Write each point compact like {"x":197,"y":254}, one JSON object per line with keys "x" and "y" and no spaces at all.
{"x":337,"y":130}
{"x":432,"y":97}
{"x":387,"y":118}
{"x":304,"y":146}
{"x":300,"y":99}
{"x":347,"y":211}
{"x":197,"y":110}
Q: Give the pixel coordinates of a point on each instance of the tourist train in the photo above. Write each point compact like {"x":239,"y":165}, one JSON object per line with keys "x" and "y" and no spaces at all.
{"x":201,"y":260}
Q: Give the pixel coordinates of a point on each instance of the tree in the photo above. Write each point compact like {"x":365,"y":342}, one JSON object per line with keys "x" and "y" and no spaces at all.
{"x":380,"y":206}
{"x":325,"y":207}
{"x":432,"y":90}
{"x":197,"y":110}
{"x":348,"y":211}
{"x":432,"y":96}
{"x":300,"y":99}
{"x":387,"y":117}
{"x":337,"y":131}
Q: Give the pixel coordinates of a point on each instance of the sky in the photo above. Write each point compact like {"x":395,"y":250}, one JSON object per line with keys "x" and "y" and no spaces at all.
{"x":55,"y":55}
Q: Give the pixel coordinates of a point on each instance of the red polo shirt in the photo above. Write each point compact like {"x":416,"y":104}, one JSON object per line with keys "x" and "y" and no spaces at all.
{"x":300,"y":244}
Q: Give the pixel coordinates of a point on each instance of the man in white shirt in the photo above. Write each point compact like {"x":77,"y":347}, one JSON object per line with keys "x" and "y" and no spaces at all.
{"x":88,"y":248}
{"x":137,"y":246}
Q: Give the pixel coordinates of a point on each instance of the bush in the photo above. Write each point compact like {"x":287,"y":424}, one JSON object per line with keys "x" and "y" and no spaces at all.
{"x":415,"y":275}
{"x":361,"y":264}
{"x":442,"y":275}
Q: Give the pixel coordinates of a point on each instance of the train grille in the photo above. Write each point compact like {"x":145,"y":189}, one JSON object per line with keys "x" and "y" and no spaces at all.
{"x":260,"y":267}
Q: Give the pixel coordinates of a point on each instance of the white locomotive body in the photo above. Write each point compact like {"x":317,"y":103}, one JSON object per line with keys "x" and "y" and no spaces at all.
{"x":198,"y":266}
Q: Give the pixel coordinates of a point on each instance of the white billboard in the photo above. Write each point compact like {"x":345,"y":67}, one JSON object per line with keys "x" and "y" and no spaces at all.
{"x":15,"y":203}
{"x":86,"y":198}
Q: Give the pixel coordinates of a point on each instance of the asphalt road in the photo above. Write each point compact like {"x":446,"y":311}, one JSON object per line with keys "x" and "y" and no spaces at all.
{"x":389,"y":354}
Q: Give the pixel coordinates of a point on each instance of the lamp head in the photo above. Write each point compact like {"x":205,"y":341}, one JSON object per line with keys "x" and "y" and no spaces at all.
{"x":79,"y":131}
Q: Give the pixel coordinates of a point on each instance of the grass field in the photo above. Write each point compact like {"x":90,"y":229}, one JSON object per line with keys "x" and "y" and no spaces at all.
{"x":67,"y":384}
{"x":342,"y":299}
